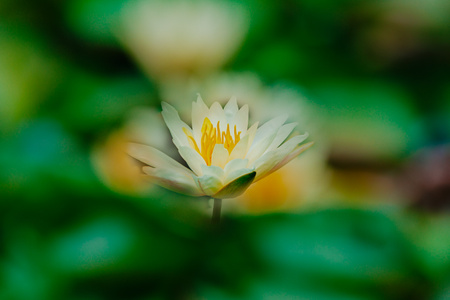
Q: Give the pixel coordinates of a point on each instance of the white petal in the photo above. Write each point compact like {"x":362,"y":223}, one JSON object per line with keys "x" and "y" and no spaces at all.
{"x":219,"y":156}
{"x":231,"y":109}
{"x":199,"y":113}
{"x":241,"y":120}
{"x":208,"y":184}
{"x":193,"y":159}
{"x":294,"y":141}
{"x":234,"y":165}
{"x":236,"y":174}
{"x":213,"y":171}
{"x":251,"y":132}
{"x":175,"y":125}
{"x":267,"y":129}
{"x":173,"y":180}
{"x":259,"y":148}
{"x":155,"y":158}
{"x":216,"y":114}
{"x":267,"y":162}
{"x":271,"y":159}
{"x":282,"y":134}
{"x":297,"y":151}
{"x":240,"y":150}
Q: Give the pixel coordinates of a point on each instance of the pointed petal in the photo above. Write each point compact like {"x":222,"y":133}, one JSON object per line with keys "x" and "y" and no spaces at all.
{"x":293,"y":141}
{"x":241,"y":120}
{"x":164,"y":170}
{"x":297,"y":151}
{"x":208,"y":184}
{"x":240,"y":150}
{"x":219,"y":156}
{"x":199,"y":113}
{"x":234,"y":165}
{"x":213,"y":171}
{"x":216,"y":114}
{"x":251,"y":132}
{"x":259,"y":148}
{"x":175,"y":125}
{"x":236,"y":187}
{"x":268,"y":128}
{"x":236,"y":174}
{"x":282,"y":134}
{"x":230,"y":109}
{"x":235,"y":169}
{"x":193,"y":159}
{"x":173,"y":180}
{"x":155,"y":158}
{"x":267,"y":162}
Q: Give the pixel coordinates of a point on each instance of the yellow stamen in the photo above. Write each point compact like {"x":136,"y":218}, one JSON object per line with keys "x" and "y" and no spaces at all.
{"x":191,"y":139}
{"x":211,"y":137}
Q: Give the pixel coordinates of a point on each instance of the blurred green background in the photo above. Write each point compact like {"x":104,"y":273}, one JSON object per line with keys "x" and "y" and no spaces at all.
{"x":368,"y":79}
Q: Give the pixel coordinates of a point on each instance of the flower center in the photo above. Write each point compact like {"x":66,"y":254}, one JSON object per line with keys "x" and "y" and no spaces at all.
{"x":212,"y":136}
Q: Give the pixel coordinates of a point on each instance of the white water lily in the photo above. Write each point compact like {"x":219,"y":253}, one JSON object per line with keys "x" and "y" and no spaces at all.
{"x":224,"y":154}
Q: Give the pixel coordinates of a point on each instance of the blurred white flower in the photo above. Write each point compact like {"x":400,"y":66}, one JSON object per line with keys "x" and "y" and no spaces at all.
{"x":115,"y":168}
{"x":179,"y":37}
{"x":224,"y":155}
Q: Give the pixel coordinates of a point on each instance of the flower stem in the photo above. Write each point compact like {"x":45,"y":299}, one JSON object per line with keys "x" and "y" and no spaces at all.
{"x":216,"y":211}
